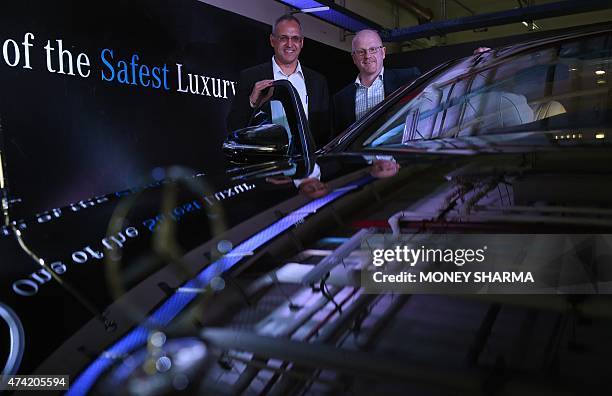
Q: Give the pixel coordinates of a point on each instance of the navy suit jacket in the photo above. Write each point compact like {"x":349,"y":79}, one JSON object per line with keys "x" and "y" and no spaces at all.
{"x":344,"y":100}
{"x":318,"y":100}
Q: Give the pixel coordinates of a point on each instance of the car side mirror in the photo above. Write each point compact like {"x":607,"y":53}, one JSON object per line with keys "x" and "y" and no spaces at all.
{"x":277,"y":132}
{"x":256,"y":144}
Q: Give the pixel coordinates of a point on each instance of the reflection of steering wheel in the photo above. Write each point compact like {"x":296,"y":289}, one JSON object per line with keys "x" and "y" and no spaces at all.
{"x":17,"y":340}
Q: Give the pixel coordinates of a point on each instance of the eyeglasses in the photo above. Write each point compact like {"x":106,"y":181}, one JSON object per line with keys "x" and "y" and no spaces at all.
{"x":285,"y":39}
{"x":370,"y":51}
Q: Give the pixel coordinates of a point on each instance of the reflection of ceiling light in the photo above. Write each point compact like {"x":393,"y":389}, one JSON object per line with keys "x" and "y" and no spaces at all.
{"x":572,"y":69}
{"x":314,"y":9}
{"x":601,"y":81}
{"x":600,"y":135}
{"x":531,"y":25}
{"x":600,"y":72}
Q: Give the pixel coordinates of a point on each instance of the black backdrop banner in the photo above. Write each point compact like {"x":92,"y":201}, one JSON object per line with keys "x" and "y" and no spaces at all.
{"x":95,"y":100}
{"x":98,"y":97}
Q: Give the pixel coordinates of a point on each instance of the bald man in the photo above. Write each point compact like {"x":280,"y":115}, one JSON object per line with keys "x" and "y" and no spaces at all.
{"x":372,"y":84}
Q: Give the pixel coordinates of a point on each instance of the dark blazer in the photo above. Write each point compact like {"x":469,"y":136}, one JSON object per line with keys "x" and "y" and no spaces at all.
{"x":318,"y":100}
{"x":344,"y":100}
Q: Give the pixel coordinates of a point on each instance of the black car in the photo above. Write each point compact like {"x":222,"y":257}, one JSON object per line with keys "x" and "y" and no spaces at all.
{"x":514,"y":141}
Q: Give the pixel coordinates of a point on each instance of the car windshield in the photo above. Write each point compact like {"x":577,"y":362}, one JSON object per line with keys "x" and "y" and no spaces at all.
{"x":487,"y":95}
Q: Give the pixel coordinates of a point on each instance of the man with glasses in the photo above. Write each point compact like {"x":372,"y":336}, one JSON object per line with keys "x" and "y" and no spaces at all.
{"x":371,"y":85}
{"x":254,"y":83}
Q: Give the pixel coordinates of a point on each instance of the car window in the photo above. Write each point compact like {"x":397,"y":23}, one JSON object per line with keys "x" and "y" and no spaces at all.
{"x":566,"y":78}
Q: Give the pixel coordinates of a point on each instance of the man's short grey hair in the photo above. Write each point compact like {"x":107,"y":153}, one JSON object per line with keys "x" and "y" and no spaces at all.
{"x":283,"y":18}
{"x":361,"y":33}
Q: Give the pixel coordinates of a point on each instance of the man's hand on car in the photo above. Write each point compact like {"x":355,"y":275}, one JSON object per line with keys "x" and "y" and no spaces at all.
{"x":261,"y":92}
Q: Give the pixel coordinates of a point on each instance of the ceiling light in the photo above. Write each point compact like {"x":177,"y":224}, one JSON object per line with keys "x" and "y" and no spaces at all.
{"x":330,"y":12}
{"x":600,"y":135}
{"x":600,"y":72}
{"x":314,"y":9}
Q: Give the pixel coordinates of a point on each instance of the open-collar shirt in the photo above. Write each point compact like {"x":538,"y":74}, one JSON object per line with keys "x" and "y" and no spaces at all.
{"x":368,"y":97}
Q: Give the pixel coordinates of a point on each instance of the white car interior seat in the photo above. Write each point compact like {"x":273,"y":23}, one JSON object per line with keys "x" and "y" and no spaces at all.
{"x":548,"y":109}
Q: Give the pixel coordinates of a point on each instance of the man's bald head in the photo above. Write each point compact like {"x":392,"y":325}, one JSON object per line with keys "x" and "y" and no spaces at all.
{"x":365,"y":34}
